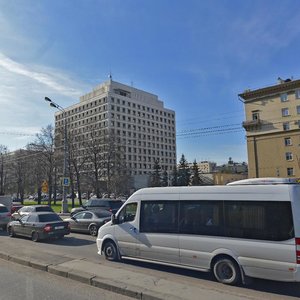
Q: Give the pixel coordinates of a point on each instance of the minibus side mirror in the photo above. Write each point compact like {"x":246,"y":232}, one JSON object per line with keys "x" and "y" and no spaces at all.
{"x":114,"y":220}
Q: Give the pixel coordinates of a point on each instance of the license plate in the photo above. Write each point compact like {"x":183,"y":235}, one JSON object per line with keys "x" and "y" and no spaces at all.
{"x":59,"y":227}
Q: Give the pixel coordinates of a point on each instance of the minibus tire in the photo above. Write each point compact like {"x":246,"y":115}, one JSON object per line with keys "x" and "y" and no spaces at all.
{"x":226,"y":271}
{"x":110,"y":251}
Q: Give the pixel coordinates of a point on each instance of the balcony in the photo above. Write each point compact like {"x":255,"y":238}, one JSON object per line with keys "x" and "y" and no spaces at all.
{"x":252,"y":125}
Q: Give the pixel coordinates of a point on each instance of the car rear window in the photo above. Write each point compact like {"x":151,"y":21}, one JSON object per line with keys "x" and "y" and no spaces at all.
{"x":44,"y":208}
{"x":3,"y":209}
{"x":49,"y":218}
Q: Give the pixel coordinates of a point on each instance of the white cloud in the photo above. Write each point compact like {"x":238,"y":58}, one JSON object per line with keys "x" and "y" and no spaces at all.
{"x":22,"y":107}
{"x":49,"y":80}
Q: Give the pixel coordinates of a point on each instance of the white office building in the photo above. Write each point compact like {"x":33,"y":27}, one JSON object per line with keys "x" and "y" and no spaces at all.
{"x":138,"y":118}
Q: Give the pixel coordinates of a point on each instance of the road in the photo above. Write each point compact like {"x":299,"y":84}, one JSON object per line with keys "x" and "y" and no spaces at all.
{"x":19,"y":282}
{"x":84,"y":246}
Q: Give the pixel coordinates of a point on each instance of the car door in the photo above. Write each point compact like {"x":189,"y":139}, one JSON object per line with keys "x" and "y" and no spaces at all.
{"x":19,"y":226}
{"x":76,"y":222}
{"x":30,"y":224}
{"x":86,"y":221}
{"x":126,"y":230}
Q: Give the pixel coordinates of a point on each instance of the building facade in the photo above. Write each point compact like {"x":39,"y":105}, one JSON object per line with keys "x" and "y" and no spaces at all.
{"x":273,"y":129}
{"x":137,"y":118}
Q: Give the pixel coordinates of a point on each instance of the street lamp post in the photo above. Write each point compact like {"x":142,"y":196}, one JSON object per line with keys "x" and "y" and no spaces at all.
{"x":65,"y":181}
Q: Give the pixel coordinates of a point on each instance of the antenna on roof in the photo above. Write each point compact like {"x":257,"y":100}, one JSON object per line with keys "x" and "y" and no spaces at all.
{"x":110,"y":76}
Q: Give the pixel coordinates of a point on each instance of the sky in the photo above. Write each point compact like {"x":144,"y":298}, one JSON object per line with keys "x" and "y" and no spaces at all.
{"x":195,"y":55}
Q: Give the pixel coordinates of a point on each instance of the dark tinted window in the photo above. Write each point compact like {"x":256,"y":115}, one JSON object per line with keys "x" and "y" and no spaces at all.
{"x":43,"y":208}
{"x":201,"y":217}
{"x":3,"y":209}
{"x":159,"y":216}
{"x":49,"y":218}
{"x":259,"y":220}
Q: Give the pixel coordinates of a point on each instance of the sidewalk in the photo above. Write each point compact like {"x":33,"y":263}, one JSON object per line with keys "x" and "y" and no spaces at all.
{"x":114,"y":278}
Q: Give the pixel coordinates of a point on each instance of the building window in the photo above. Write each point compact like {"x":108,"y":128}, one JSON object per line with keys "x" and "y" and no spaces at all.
{"x":255,"y":115}
{"x":290,"y":171}
{"x":284,"y":97}
{"x":285,"y":112}
{"x":289,"y":156}
{"x":286,"y":126}
{"x":298,"y":109}
{"x":288,"y":141}
{"x":297,"y":94}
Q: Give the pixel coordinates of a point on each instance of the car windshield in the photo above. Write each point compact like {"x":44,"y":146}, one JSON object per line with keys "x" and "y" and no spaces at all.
{"x":103,"y":214}
{"x":43,"y":208}
{"x":3,"y":209}
{"x":49,"y":218}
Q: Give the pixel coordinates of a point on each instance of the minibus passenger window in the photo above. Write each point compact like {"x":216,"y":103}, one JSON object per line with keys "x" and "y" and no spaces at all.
{"x":159,"y":216}
{"x":127,"y":214}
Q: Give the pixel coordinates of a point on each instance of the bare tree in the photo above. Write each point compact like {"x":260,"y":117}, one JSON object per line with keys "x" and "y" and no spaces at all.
{"x":44,"y":145}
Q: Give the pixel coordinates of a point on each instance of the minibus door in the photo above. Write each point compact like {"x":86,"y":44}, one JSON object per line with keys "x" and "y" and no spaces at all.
{"x":126,"y":232}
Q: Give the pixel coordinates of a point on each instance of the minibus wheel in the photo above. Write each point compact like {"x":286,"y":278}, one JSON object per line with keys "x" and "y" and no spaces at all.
{"x":110,"y":251}
{"x":226,"y":271}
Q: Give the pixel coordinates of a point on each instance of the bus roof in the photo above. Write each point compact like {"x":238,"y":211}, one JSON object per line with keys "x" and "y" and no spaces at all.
{"x":265,"y":181}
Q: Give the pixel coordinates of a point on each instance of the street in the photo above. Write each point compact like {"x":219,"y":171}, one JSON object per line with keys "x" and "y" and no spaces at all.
{"x":82,"y":246}
{"x":29,"y":284}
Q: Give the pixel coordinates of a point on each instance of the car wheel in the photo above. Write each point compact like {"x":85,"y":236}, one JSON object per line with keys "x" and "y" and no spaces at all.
{"x":93,"y":230}
{"x":226,"y":271}
{"x":110,"y":251}
{"x":35,"y":236}
{"x":10,"y":231}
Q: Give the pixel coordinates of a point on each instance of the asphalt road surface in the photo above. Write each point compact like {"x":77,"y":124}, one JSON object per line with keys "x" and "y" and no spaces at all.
{"x":20,"y":282}
{"x":84,"y":246}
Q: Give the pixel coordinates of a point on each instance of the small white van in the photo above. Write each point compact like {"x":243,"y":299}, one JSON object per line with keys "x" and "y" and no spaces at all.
{"x":234,"y":231}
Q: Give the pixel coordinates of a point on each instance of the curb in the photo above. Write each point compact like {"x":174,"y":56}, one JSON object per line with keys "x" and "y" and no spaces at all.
{"x":90,"y":279}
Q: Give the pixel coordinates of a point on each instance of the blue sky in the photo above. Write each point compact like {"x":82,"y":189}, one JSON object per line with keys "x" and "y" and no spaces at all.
{"x":197,"y":56}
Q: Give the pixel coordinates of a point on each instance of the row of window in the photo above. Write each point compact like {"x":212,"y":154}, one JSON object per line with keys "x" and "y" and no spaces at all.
{"x":138,"y":114}
{"x":284,"y":96}
{"x":142,"y":107}
{"x":139,"y":128}
{"x":285,"y":111}
{"x":261,"y":220}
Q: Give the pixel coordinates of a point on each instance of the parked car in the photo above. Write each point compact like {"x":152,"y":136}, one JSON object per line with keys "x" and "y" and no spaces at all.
{"x":39,"y":226}
{"x":25,"y":210}
{"x":89,"y":221}
{"x":5,"y":216}
{"x":94,"y":203}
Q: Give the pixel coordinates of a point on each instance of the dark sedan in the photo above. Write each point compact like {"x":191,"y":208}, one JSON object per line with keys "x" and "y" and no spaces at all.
{"x":94,"y":204}
{"x":89,"y":221}
{"x":39,"y":226}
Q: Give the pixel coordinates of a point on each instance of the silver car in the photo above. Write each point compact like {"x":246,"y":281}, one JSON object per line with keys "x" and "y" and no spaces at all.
{"x":5,"y":216}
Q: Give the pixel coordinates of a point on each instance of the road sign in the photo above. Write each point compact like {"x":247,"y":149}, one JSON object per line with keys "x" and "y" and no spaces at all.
{"x":45,"y":187}
{"x":65,"y":181}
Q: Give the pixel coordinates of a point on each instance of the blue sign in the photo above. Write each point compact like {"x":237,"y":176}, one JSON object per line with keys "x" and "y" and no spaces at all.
{"x":66,"y":181}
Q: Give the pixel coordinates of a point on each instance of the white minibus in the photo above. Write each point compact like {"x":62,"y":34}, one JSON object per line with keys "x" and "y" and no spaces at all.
{"x":234,"y":231}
